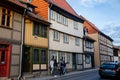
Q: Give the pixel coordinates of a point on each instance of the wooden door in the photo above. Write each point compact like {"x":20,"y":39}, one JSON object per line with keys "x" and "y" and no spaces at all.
{"x":3,"y":62}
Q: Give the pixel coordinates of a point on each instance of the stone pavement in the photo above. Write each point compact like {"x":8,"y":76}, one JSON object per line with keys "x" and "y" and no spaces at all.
{"x":58,"y":76}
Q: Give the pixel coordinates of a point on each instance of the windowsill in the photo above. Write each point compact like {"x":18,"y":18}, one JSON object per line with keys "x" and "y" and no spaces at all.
{"x":52,"y":19}
{"x":5,"y":27}
{"x":77,"y":45}
{"x":62,"y":23}
{"x":75,"y":28}
{"x":66,"y":42}
{"x":56,"y":40}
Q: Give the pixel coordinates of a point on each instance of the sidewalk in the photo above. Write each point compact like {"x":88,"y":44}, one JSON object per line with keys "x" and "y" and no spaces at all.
{"x":58,"y":76}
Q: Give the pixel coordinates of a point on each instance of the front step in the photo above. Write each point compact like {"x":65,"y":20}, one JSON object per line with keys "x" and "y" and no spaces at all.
{"x":27,"y":75}
{"x":4,"y":78}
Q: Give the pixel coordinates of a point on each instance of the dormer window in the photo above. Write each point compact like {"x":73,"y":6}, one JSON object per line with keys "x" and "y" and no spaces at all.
{"x":85,"y":31}
{"x":30,"y":8}
{"x":29,"y":0}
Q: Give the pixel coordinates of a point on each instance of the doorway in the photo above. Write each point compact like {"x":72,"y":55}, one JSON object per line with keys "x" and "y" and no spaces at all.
{"x":4,"y":60}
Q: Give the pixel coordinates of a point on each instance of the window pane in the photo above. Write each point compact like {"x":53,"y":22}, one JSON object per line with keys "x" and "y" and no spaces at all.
{"x":75,"y":24}
{"x":58,"y":18}
{"x":43,"y":31}
{"x":52,"y":16}
{"x":3,"y":19}
{"x":2,"y":57}
{"x":8,"y":20}
{"x":36,"y":56}
{"x":65,"y":38}
{"x":56,"y":35}
{"x":77,"y":42}
{"x":43,"y":56}
{"x":6,"y":17}
{"x":36,"y":29}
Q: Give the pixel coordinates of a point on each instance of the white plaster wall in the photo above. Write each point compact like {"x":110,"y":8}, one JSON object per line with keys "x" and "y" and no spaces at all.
{"x":61,"y":46}
{"x":68,"y":29}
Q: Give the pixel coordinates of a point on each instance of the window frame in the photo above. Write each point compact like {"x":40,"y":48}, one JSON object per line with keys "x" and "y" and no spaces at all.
{"x":40,"y":28}
{"x":6,"y":14}
{"x":40,"y":56}
{"x":65,"y":38}
{"x":59,"y":18}
{"x":64,"y":20}
{"x":77,"y":41}
{"x":37,"y":62}
{"x":52,"y":14}
{"x":45,"y":56}
{"x":75,"y":25}
{"x":56,"y":35}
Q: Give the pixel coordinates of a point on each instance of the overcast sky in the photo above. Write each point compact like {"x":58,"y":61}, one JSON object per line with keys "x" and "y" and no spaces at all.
{"x":105,"y":14}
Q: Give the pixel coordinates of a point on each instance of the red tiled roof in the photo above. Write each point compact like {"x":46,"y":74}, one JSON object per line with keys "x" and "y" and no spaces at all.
{"x":90,"y":23}
{"x":65,"y":6}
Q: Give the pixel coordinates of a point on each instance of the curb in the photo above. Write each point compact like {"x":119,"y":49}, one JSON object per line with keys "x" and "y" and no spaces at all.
{"x":60,"y":77}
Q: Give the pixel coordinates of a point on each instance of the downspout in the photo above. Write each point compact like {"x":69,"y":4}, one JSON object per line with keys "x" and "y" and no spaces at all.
{"x":49,"y":37}
{"x":22,"y":38}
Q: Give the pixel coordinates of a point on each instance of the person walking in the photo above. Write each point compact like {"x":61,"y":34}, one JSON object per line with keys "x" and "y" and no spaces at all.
{"x":55,"y":68}
{"x":64,"y":67}
{"x":61,"y":66}
{"x":51,"y":65}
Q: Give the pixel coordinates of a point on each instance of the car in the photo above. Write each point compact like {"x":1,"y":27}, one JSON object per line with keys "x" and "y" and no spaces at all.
{"x":110,"y":69}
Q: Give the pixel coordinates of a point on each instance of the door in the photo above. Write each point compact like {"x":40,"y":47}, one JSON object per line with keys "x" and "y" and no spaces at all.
{"x":3,"y":62}
{"x":26,"y":60}
{"x":74,"y":61}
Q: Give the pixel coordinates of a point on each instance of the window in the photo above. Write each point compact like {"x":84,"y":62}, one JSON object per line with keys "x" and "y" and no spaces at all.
{"x":65,"y":38}
{"x":58,"y":18}
{"x":43,"y":31}
{"x":2,"y":57}
{"x":39,"y":55}
{"x":56,"y":35}
{"x":87,"y":59}
{"x":6,"y":17}
{"x":29,"y":0}
{"x":30,"y":8}
{"x":43,"y":56}
{"x":52,"y":14}
{"x":64,"y":20}
{"x":79,"y":59}
{"x":36,"y":29}
{"x":75,"y":24}
{"x":40,"y":30}
{"x":36,"y":56}
{"x":77,"y":41}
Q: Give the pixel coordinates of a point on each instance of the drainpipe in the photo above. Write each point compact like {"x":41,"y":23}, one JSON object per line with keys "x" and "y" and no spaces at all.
{"x":22,"y":38}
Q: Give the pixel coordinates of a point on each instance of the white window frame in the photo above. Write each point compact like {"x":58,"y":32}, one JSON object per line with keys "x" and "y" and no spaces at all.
{"x":56,"y":35}
{"x":59,"y":17}
{"x":52,"y":14}
{"x":75,"y":24}
{"x":65,"y":38}
{"x":64,"y":20}
{"x":77,"y":41}
{"x":29,"y":0}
